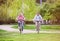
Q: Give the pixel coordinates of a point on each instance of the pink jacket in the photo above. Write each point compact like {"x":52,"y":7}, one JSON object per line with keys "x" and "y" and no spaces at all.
{"x":20,"y":17}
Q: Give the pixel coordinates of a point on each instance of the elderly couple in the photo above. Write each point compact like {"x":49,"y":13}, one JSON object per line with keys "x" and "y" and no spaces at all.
{"x":37,"y":20}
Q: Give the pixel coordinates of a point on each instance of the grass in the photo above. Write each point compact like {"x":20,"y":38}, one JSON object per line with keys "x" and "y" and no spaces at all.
{"x":13,"y":36}
{"x":43,"y":27}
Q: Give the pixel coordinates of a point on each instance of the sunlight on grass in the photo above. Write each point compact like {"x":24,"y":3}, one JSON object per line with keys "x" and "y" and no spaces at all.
{"x":13,"y":36}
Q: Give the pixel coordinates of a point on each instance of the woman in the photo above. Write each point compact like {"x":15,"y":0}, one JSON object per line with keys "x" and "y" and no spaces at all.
{"x":20,"y":20}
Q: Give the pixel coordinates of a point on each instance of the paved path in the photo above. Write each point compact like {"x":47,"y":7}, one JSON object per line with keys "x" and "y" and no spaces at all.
{"x":8,"y":28}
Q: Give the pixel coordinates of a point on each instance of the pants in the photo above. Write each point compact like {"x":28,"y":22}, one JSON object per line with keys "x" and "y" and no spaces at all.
{"x":21,"y":25}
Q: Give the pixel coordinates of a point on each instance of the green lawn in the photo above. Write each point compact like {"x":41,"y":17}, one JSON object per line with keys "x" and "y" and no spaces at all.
{"x":43,"y":27}
{"x":13,"y":36}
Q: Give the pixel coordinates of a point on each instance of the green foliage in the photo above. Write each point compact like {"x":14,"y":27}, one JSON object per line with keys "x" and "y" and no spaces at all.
{"x":3,"y":12}
{"x":30,"y":9}
{"x":49,"y":10}
{"x":11,"y":9}
{"x":14,"y":7}
{"x":27,"y":6}
{"x":55,"y":10}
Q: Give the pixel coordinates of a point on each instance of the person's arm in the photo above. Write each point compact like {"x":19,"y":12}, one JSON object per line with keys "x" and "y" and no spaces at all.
{"x":17,"y":18}
{"x":34,"y":19}
{"x":24,"y":18}
{"x":41,"y":20}
{"x":41,"y":17}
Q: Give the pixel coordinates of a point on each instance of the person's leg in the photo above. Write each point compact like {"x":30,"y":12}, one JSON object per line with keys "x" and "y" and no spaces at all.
{"x":22,"y":28}
{"x":19,"y":27}
{"x":39,"y":25}
{"x":36,"y":25}
{"x":22,"y":25}
{"x":18,"y":24}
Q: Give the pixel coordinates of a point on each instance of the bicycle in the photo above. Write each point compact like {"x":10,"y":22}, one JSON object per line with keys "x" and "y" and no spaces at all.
{"x":37,"y":26}
{"x":21,"y":27}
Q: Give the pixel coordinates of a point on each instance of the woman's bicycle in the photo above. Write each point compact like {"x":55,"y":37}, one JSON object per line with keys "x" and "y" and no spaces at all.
{"x":21,"y":27}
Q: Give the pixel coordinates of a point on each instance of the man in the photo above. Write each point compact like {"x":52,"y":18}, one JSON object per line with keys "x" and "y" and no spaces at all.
{"x":37,"y":20}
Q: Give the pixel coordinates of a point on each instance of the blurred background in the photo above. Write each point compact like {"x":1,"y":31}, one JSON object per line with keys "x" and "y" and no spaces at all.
{"x":49,"y":9}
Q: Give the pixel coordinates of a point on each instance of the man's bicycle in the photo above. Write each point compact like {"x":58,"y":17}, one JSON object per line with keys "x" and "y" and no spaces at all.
{"x":37,"y":26}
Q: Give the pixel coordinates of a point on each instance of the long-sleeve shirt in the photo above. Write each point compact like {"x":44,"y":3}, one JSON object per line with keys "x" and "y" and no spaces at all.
{"x":37,"y":18}
{"x":20,"y":17}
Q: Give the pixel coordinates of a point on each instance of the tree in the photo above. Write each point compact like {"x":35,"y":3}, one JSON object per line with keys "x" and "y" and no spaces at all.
{"x":3,"y":10}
